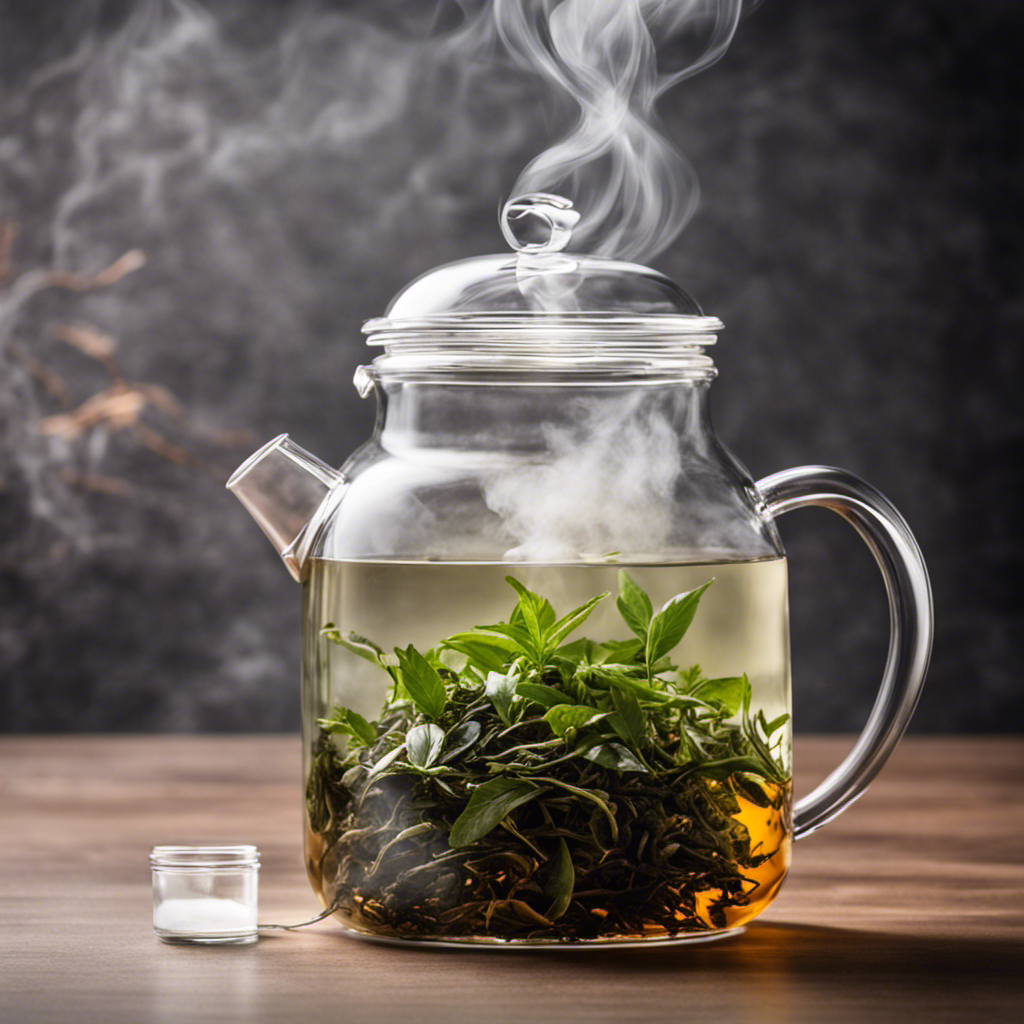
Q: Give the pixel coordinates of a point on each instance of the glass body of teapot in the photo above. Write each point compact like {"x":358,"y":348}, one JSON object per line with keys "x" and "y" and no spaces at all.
{"x":545,"y":669}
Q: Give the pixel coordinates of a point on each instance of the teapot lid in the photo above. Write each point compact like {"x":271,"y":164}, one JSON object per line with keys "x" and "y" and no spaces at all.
{"x":541,"y":289}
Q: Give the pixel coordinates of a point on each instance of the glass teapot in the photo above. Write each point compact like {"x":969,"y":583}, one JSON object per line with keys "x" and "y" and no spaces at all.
{"x":545,"y":657}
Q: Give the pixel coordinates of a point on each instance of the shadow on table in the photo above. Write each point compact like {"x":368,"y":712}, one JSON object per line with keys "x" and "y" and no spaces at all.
{"x":810,"y":951}
{"x":780,"y":950}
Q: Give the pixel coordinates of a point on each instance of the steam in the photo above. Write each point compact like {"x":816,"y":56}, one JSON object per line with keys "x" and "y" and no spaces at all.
{"x":606,"y":484}
{"x":613,"y":59}
{"x":615,"y":477}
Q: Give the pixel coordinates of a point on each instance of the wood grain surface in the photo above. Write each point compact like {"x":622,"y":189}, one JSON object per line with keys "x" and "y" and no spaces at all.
{"x":907,"y":908}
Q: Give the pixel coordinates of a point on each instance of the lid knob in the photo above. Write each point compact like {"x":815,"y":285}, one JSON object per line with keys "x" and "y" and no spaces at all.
{"x":538,"y":222}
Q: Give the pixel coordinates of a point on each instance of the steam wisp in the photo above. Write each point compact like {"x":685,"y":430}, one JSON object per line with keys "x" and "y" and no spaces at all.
{"x":613,"y":59}
{"x":608,"y":483}
{"x":605,"y":484}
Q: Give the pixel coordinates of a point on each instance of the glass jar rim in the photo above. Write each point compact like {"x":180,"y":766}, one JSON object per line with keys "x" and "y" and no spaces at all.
{"x":537,"y":364}
{"x":595,"y":345}
{"x":589,"y":328}
{"x":204,"y":857}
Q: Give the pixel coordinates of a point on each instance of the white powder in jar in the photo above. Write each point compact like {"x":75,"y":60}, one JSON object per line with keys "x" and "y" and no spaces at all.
{"x":205,"y":916}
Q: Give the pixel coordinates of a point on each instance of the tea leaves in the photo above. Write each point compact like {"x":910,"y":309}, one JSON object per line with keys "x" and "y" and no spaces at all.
{"x":519,"y":783}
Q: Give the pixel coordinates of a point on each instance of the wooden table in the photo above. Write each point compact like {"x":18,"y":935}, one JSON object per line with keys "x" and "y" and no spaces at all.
{"x":907,"y":908}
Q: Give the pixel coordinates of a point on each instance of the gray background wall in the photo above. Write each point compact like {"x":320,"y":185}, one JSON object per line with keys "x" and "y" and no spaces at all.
{"x":858,"y":234}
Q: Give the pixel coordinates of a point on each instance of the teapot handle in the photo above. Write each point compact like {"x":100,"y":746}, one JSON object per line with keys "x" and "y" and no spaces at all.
{"x":886,"y":533}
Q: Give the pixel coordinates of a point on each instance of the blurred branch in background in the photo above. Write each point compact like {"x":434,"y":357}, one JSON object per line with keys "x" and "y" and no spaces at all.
{"x":7,"y":233}
{"x":51,"y":457}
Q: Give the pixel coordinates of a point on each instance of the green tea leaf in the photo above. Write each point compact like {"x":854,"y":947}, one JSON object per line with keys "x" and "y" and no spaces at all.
{"x":728,"y":691}
{"x":769,"y":767}
{"x":579,"y":651}
{"x":775,"y":723}
{"x":628,"y":721}
{"x":560,"y":882}
{"x":722,"y":768}
{"x":542,"y":694}
{"x":502,"y":690}
{"x":460,"y":739}
{"x":536,"y":611}
{"x":748,"y":695}
{"x":643,"y":774}
{"x":422,"y":682}
{"x":488,"y":805}
{"x":349,"y":723}
{"x":634,"y":605}
{"x":489,"y":652}
{"x":357,"y":644}
{"x":669,"y":626}
{"x":568,"y":623}
{"x":455,"y":660}
{"x":628,"y":678}
{"x":545,"y":612}
{"x":423,"y":744}
{"x":620,"y":651}
{"x":689,"y":678}
{"x":615,"y":756}
{"x":564,"y":717}
{"x":514,"y":633}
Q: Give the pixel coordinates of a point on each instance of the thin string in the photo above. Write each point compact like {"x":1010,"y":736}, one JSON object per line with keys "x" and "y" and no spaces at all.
{"x":313,"y":920}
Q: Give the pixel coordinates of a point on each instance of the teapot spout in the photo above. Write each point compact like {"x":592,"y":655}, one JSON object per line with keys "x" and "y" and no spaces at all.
{"x":282,"y":486}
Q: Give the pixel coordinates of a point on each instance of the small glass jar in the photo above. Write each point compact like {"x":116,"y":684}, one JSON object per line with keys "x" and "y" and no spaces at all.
{"x":205,"y":894}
